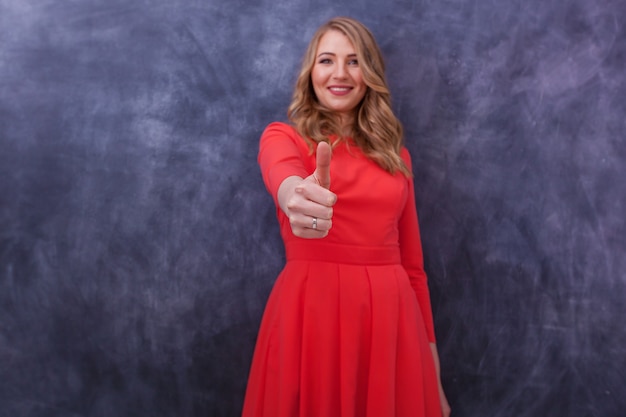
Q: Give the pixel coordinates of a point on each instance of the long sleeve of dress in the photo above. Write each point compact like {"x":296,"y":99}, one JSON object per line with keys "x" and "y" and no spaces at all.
{"x":280,"y":156}
{"x":412,"y":257}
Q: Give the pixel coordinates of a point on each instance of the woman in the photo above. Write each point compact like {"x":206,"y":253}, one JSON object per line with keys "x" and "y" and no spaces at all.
{"x":348,"y":329}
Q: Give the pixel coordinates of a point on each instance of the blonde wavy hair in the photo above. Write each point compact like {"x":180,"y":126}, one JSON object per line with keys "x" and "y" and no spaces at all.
{"x":376,"y":130}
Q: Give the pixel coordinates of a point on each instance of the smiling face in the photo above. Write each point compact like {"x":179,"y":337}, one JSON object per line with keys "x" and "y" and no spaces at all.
{"x":336,"y":76}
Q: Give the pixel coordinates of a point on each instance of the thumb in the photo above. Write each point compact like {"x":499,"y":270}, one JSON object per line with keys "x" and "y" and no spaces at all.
{"x":322,"y":170}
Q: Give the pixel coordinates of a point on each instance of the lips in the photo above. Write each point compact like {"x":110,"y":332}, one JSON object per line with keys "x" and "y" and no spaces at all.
{"x":339,"y":90}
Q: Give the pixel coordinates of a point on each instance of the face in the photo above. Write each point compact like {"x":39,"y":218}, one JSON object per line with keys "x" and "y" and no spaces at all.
{"x":336,"y":75}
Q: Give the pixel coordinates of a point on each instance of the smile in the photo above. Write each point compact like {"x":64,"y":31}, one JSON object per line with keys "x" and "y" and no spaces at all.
{"x":340,"y":90}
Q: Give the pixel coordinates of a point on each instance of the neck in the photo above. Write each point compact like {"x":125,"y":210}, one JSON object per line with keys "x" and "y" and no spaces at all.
{"x":347,"y":123}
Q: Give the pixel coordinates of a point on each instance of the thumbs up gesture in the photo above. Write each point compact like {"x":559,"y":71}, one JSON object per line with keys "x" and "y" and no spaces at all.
{"x":308,"y":202}
{"x":322,"y":161}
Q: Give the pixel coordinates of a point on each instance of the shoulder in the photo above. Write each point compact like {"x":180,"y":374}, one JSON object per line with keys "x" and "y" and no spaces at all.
{"x":280,"y":128}
{"x":406,"y":156}
{"x":279,"y":131}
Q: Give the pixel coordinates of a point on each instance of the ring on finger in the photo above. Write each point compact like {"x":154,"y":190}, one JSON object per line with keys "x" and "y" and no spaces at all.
{"x":314,"y":227}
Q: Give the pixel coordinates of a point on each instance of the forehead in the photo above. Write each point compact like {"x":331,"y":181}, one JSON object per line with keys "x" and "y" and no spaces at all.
{"x":334,"y":41}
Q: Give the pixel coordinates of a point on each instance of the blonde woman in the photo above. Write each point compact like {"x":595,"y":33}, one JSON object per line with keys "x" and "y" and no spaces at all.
{"x":348,"y":328}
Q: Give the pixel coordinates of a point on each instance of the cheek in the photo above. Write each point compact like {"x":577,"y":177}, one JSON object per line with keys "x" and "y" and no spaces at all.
{"x":357,"y":76}
{"x":362,"y":88}
{"x":315,"y":78}
{"x":317,"y":74}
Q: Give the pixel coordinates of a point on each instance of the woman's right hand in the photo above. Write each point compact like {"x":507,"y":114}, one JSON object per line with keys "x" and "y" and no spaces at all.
{"x":308,"y":202}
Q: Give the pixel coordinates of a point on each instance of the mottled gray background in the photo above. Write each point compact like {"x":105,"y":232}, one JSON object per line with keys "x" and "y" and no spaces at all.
{"x":138,"y":245}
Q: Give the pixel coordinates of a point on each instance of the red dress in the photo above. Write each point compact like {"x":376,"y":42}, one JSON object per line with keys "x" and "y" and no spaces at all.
{"x":347,"y":327}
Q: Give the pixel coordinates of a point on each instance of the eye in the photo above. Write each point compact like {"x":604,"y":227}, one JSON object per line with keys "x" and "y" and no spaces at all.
{"x":325,"y":61}
{"x":354,"y":62}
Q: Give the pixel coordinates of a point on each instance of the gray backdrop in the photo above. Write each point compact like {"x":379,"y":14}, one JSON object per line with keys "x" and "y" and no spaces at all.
{"x":138,"y":245}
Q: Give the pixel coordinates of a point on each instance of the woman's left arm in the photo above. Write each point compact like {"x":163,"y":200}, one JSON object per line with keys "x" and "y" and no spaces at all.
{"x":413,"y":262}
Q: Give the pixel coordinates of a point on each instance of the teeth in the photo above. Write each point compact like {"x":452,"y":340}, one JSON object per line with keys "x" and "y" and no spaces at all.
{"x":340,"y":89}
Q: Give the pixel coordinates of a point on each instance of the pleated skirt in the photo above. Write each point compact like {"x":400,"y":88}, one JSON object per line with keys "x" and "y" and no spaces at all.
{"x":342,"y":340}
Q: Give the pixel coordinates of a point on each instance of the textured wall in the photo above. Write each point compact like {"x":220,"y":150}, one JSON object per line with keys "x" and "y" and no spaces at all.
{"x":138,"y":245}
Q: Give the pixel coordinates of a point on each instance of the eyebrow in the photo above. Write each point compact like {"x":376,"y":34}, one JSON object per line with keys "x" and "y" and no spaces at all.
{"x":333,"y":54}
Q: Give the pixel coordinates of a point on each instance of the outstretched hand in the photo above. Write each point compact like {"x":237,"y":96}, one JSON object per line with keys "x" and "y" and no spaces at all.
{"x":308,"y":202}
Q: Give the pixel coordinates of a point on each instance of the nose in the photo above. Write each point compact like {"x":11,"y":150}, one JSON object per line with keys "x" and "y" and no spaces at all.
{"x":340,"y":72}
